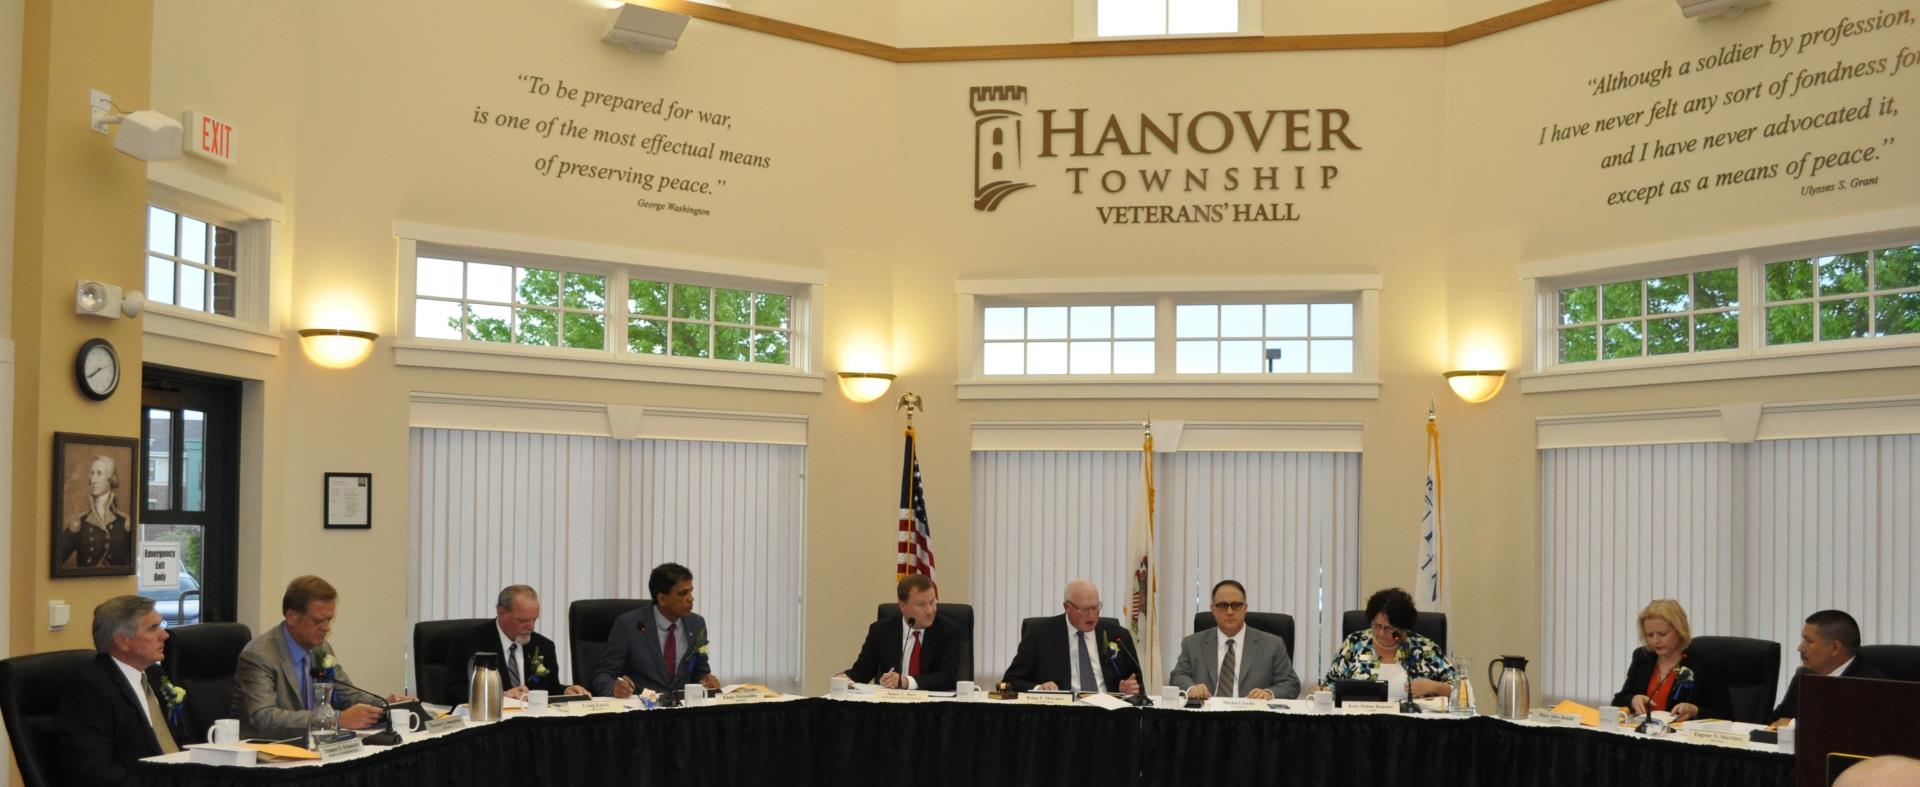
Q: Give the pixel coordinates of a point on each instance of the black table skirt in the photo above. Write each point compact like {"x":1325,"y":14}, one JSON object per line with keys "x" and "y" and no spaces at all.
{"x":823,"y":742}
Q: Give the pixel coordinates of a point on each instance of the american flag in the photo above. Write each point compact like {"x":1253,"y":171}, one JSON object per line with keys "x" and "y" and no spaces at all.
{"x":915,"y":551}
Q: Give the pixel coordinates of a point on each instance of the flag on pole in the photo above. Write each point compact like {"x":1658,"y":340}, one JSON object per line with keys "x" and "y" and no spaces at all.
{"x":1432,"y":584}
{"x":1142,"y":605}
{"x":915,"y":540}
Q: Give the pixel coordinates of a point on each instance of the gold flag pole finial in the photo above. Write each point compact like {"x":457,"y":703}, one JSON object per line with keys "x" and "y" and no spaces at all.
{"x":1430,"y":415}
{"x":909,"y":402}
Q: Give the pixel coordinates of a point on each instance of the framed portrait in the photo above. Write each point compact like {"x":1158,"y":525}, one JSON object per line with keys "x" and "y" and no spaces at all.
{"x":95,"y":504}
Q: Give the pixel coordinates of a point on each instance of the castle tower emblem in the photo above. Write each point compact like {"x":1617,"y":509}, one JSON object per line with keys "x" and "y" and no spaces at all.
{"x":996,"y":143}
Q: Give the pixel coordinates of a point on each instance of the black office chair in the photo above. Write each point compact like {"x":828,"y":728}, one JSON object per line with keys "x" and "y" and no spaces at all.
{"x":431,"y":638}
{"x":961,"y":614}
{"x":1899,"y":662}
{"x":1275,"y":623}
{"x":1753,"y":673}
{"x":30,"y":691}
{"x":201,"y":658}
{"x":589,"y":621}
{"x":1432,"y":625}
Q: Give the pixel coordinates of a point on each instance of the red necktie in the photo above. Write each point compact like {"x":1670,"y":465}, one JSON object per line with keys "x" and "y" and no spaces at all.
{"x":913,"y":661}
{"x":673,"y":651}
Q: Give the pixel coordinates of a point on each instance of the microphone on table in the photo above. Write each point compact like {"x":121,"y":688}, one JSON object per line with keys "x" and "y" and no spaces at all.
{"x":320,"y":674}
{"x":1401,"y":639}
{"x":1139,"y":697}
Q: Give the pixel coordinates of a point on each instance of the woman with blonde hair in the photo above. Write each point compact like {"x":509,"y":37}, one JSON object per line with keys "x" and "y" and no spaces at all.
{"x":1667,"y":674}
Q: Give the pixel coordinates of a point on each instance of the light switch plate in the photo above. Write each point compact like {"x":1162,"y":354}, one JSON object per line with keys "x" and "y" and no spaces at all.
{"x":58,"y":615}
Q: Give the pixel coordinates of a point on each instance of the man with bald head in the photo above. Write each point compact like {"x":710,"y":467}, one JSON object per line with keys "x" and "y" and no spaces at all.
{"x":1076,"y":650}
{"x":1891,"y":770}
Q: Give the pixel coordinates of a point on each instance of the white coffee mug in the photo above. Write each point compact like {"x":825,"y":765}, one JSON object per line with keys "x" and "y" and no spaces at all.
{"x":694,"y":696}
{"x":1323,"y":701}
{"x":838,"y":685}
{"x":224,"y":731}
{"x":1786,"y":739}
{"x":963,"y":690}
{"x":402,"y":720}
{"x":536,"y":700}
{"x":1172,"y":696}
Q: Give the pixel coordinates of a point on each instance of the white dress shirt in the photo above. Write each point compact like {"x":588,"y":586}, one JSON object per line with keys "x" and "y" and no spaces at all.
{"x":1093,"y":655}
{"x":680,"y":640}
{"x":137,"y":681}
{"x":518,"y":655}
{"x":906,"y":654}
{"x":1239,"y":640}
{"x":1842,"y":669}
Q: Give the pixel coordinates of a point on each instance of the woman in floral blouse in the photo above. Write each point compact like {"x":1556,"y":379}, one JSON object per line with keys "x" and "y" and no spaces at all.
{"x":1379,"y":652}
{"x":1669,"y":675}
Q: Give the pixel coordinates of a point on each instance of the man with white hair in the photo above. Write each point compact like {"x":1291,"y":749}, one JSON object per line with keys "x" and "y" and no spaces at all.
{"x":526,"y":659}
{"x":1077,"y":650}
{"x":120,"y":708}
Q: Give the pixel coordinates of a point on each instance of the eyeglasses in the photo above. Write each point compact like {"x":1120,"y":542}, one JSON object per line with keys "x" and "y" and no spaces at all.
{"x":1095,"y":607}
{"x":1230,"y":606}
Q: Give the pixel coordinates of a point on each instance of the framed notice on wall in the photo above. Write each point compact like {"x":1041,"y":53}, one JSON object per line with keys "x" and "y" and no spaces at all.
{"x":349,"y":500}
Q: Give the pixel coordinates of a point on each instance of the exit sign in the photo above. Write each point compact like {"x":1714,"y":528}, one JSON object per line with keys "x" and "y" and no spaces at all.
{"x":209,"y":137}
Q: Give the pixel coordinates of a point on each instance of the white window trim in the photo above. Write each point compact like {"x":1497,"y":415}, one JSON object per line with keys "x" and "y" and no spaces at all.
{"x":428,"y":410}
{"x":1363,"y":383}
{"x":1169,"y":436}
{"x":1741,"y":422}
{"x":1086,"y":24}
{"x":261,"y":255}
{"x":507,"y":248}
{"x":1749,"y":251}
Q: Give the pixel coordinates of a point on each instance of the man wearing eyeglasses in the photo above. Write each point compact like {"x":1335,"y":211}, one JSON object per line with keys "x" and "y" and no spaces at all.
{"x":1232,"y":660}
{"x":1077,"y":651}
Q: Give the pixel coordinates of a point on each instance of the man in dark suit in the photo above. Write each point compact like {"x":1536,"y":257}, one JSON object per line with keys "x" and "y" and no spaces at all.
{"x":919,"y":651}
{"x":1828,"y":643}
{"x":120,"y":708}
{"x":1076,"y":650}
{"x":661,"y":645}
{"x":526,"y":659}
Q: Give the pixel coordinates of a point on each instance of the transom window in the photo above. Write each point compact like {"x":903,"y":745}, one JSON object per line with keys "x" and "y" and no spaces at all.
{"x":467,"y":299}
{"x":1133,"y":18}
{"x":693,"y":321}
{"x":506,"y":304}
{"x":1277,"y":338}
{"x":1103,"y":339}
{"x":192,"y":263}
{"x":1661,"y":315}
{"x":1844,"y":296}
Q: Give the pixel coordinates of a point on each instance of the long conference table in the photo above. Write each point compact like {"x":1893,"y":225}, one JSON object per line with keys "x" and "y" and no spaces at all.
{"x":797,"y":741}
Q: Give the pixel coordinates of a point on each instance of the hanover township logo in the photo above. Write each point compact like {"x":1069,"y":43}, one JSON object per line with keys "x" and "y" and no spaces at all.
{"x":996,"y":143}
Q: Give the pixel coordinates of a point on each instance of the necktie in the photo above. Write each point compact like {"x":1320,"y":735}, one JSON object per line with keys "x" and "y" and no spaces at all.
{"x":913,"y":662}
{"x":306,"y":681}
{"x":513,"y":665}
{"x":1086,"y":666}
{"x":160,"y":731}
{"x":1229,"y":672}
{"x":673,"y":652}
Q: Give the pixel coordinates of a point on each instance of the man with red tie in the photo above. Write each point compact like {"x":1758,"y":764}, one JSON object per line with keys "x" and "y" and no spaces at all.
{"x":919,"y":651}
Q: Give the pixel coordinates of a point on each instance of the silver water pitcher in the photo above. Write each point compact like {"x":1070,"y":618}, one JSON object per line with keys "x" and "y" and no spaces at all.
{"x":1512,"y":698}
{"x":483,"y":688}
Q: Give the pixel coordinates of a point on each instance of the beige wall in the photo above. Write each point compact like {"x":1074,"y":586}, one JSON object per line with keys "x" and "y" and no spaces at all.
{"x":354,"y":127}
{"x":79,"y":208}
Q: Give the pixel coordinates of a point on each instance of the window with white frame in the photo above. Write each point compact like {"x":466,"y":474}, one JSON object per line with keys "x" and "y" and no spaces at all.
{"x":1844,"y":296}
{"x":1139,"y":18}
{"x":483,"y":299}
{"x":1099,"y":339}
{"x":192,"y":262}
{"x":1253,"y":338}
{"x":1694,"y":311}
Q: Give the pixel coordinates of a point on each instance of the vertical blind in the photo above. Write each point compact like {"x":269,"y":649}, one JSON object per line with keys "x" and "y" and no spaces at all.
{"x":1750,"y":539}
{"x":1285,"y":524}
{"x":589,"y":517}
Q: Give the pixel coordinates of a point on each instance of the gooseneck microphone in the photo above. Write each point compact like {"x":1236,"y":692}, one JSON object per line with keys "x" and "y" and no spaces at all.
{"x":320,"y":674}
{"x":1139,"y":697}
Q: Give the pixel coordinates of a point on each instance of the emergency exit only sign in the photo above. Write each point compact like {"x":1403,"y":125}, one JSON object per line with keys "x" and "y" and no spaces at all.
{"x":209,"y":137}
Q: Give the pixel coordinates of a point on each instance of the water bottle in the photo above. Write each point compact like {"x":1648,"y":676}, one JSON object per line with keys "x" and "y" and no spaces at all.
{"x":1461,"y":702}
{"x":323,"y":724}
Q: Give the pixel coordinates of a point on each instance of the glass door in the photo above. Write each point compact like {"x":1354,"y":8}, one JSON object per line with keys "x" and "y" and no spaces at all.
{"x":190,"y":483}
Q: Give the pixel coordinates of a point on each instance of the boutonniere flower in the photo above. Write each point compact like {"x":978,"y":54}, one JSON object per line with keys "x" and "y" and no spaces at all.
{"x":540,"y":665}
{"x":175,"y":698}
{"x":702,"y":650}
{"x":1113,"y":647}
{"x":326,"y":662}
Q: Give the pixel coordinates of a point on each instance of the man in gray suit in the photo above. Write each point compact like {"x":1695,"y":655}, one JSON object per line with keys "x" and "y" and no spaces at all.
{"x":1232,"y":660}
{"x":661,"y":645}
{"x":273,"y":682}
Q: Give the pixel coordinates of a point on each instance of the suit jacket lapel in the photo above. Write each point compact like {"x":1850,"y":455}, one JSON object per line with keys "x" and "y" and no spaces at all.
{"x":287,"y":670}
{"x":651,"y":644}
{"x":125,"y":692}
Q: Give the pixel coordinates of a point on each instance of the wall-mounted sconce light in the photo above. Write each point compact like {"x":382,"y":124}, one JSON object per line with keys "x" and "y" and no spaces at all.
{"x":864,"y":387}
{"x":1476,"y":386}
{"x":643,"y":29}
{"x":103,"y":300}
{"x":336,"y":348}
